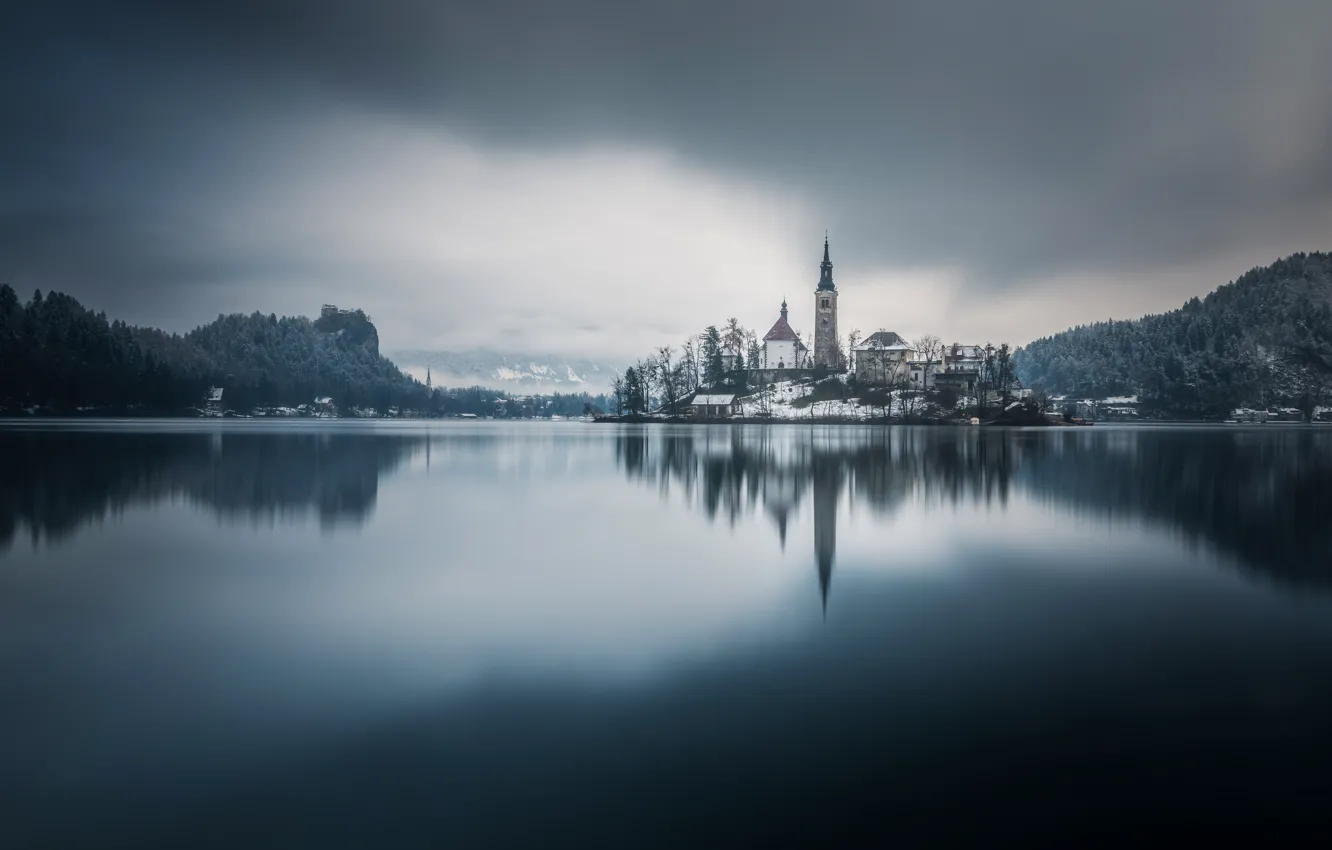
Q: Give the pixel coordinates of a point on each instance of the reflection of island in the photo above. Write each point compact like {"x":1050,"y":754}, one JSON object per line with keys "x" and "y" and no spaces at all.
{"x":56,"y":480}
{"x":1264,"y":497}
{"x":738,"y":470}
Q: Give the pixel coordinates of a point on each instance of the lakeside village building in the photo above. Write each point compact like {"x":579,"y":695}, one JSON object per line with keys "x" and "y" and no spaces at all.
{"x":881,"y":359}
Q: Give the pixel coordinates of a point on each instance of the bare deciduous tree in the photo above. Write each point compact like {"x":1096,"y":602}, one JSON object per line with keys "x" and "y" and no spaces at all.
{"x":668,"y":375}
{"x":764,"y":399}
{"x":983,"y":377}
{"x":1003,"y":374}
{"x":617,"y":395}
{"x":689,"y":362}
{"x":647,"y":375}
{"x":906,"y":396}
{"x":733,"y":337}
{"x":928,"y":348}
{"x":996,"y":376}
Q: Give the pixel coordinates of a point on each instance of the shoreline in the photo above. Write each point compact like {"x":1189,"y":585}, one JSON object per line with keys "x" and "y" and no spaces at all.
{"x":10,"y":416}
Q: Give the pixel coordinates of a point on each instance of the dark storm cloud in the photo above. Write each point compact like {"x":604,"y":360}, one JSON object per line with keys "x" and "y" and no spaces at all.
{"x":1008,"y":140}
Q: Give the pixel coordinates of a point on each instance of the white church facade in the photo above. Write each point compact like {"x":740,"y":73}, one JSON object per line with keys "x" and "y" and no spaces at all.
{"x":782,"y":348}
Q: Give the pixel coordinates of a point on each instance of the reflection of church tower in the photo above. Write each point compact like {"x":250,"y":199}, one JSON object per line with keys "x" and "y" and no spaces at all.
{"x":781,"y":494}
{"x":781,"y":515}
{"x":827,"y":486}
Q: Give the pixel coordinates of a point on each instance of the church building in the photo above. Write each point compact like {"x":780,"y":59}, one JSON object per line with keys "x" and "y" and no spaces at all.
{"x":782,"y":349}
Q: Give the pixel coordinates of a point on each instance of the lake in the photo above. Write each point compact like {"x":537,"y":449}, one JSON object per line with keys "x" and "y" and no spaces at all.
{"x":563,"y":634}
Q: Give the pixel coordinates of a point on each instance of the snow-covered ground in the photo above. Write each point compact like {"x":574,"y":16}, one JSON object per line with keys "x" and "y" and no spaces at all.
{"x":779,"y":403}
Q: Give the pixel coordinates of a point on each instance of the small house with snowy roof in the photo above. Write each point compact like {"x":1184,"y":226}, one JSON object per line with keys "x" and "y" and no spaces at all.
{"x":213,"y":400}
{"x":712,"y":405}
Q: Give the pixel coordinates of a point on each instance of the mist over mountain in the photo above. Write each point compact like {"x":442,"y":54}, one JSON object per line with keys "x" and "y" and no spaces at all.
{"x":1263,"y":339}
{"x":510,"y":371}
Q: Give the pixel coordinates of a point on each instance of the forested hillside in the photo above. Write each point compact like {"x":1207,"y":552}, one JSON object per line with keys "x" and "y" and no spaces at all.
{"x":56,"y":353}
{"x":1265,"y":339}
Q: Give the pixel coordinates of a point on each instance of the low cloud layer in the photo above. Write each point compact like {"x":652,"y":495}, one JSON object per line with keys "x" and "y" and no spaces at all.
{"x":597,"y":177}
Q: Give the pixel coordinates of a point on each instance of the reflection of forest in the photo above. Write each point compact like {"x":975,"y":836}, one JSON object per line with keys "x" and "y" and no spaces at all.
{"x":1263,"y":496}
{"x":56,"y":480}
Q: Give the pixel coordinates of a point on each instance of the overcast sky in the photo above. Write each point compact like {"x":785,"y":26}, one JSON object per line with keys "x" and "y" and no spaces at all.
{"x":603,"y":176}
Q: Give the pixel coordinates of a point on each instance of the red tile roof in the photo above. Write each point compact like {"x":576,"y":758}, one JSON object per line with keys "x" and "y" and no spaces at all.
{"x":781,"y":331}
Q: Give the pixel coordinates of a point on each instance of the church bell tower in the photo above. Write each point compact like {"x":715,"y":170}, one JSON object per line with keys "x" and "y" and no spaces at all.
{"x":825,"y":315}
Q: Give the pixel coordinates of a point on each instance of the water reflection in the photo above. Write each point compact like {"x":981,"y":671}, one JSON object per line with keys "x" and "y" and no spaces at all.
{"x":55,"y":481}
{"x":533,"y":633}
{"x":1261,"y":496}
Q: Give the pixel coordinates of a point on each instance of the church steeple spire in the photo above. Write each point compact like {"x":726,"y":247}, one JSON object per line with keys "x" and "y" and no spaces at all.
{"x":825,"y":269}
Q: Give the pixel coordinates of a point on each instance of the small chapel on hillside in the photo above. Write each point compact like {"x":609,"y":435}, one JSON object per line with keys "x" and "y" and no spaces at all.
{"x":782,"y":348}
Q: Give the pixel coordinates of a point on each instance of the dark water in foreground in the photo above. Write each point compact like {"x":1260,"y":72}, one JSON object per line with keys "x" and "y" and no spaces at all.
{"x":572,"y":635}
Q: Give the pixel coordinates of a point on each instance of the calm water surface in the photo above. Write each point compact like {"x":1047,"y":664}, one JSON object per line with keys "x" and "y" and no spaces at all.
{"x":564,"y":634}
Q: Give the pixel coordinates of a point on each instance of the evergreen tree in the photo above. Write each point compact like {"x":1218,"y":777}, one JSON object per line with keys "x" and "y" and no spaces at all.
{"x":739,"y":378}
{"x":634,"y":396}
{"x":670,"y":378}
{"x":713,"y":371}
{"x":755,"y":358}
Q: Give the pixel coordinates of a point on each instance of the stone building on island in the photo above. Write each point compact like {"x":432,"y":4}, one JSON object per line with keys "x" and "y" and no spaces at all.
{"x":882,"y":358}
{"x":961,"y":368}
{"x":825,"y":316}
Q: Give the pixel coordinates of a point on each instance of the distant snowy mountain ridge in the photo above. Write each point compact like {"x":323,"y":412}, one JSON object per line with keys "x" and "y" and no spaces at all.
{"x":509,"y":371}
